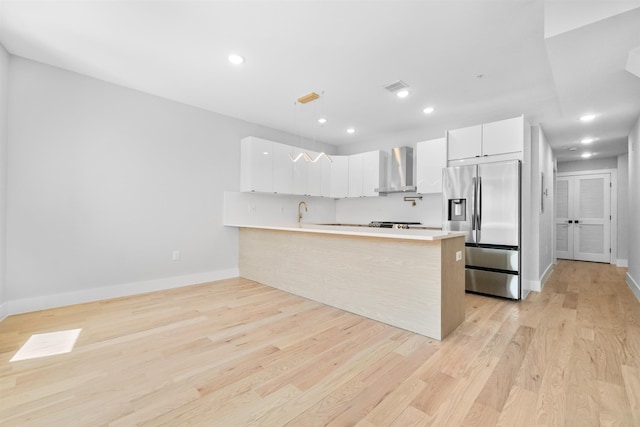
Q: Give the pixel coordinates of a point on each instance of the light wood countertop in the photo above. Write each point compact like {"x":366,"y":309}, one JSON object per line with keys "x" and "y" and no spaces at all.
{"x":355,"y":230}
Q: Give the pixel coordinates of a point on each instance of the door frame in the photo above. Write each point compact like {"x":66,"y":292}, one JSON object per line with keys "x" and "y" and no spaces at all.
{"x":613,"y":241}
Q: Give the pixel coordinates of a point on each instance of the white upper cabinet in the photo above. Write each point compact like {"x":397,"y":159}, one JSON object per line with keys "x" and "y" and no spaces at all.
{"x":431,"y":157}
{"x":356,"y":168}
{"x":314,"y":175}
{"x":282,"y":169}
{"x":325,"y":177}
{"x":465,"y":142}
{"x":366,"y":173}
{"x":505,"y":136}
{"x":489,"y":139}
{"x":256,"y":165}
{"x":300,"y":172}
{"x":339,"y":176}
{"x":267,"y":167}
{"x":374,"y":172}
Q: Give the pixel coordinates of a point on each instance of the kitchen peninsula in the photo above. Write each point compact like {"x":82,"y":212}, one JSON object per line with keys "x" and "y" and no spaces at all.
{"x":412,"y":279}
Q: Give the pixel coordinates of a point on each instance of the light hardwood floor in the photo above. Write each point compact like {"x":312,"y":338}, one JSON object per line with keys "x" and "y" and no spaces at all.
{"x":235,"y":353}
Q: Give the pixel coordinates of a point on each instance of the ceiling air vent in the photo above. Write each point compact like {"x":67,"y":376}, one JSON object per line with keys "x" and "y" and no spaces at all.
{"x":396,"y":86}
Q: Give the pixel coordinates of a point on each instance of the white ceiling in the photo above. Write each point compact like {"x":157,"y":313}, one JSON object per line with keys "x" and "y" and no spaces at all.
{"x":348,"y":51}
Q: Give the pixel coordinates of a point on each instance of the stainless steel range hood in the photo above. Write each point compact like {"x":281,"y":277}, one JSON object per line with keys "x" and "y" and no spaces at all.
{"x":400,"y":172}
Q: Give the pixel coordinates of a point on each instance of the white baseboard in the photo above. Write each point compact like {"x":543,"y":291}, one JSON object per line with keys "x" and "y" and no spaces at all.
{"x":4,"y":311}
{"x":107,"y":292}
{"x":635,"y":288}
{"x":546,"y":275}
{"x":537,"y":285}
{"x":529,"y":285}
{"x":622,"y":263}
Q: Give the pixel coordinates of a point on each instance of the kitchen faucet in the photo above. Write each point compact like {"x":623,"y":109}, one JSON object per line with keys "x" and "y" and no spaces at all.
{"x":299,"y":212}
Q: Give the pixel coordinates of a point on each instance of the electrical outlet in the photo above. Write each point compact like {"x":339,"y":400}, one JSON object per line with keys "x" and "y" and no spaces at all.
{"x":459,"y":256}
{"x":175,"y":255}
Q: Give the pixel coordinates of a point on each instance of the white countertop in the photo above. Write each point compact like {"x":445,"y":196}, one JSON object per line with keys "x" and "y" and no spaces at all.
{"x":389,"y":233}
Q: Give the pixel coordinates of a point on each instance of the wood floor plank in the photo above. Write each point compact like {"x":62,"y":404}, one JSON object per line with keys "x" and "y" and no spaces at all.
{"x":497,"y":389}
{"x":518,"y":409}
{"x":481,"y":415}
{"x":631,"y":378}
{"x":236,"y":353}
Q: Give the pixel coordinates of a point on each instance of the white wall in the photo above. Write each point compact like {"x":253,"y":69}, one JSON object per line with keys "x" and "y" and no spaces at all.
{"x":537,"y":224}
{"x":4,"y":86}
{"x":529,"y":232}
{"x":633,"y":273}
{"x":546,"y":217}
{"x":588,"y":164}
{"x":105,"y":182}
{"x":623,"y":210}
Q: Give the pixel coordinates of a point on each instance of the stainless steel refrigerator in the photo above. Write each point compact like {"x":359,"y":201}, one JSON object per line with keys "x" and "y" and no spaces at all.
{"x":484,"y":201}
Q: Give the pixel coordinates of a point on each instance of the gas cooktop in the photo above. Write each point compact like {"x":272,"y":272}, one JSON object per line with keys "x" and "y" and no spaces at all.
{"x":393,"y":224}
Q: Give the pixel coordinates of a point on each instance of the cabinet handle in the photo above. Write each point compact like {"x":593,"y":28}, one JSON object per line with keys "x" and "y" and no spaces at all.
{"x":577,"y":221}
{"x":570,"y":221}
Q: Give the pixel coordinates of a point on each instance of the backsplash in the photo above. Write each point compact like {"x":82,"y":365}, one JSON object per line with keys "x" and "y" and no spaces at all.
{"x":362,"y":210}
{"x":264,"y":209}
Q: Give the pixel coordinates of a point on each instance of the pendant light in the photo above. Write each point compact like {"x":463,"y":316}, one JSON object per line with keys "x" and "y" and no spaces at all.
{"x":312,"y":96}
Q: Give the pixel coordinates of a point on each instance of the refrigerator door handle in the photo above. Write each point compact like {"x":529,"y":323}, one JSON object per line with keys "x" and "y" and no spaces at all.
{"x":479,"y":211}
{"x":473,"y":204}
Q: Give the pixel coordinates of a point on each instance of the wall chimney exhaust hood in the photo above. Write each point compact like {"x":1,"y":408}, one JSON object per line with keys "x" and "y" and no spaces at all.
{"x":400,"y":172}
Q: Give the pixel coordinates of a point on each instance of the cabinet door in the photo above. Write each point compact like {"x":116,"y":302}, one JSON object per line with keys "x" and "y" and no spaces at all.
{"x":300,"y":172}
{"x":465,"y":142}
{"x":256,"y":165}
{"x":373,"y":172}
{"x":325,"y":177}
{"x":504,"y":136}
{"x":431,"y":157}
{"x":356,"y":168}
{"x":340,"y":176}
{"x":314,"y":175}
{"x":282,"y":169}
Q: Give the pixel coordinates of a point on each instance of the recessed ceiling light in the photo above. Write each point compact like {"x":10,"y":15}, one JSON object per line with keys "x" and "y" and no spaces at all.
{"x":322,"y":120}
{"x":573,"y":149}
{"x":586,"y":155}
{"x":587,"y":140}
{"x":587,"y":117}
{"x":351,"y":130}
{"x":428,"y":110}
{"x":403,"y":93}
{"x":236,"y":59}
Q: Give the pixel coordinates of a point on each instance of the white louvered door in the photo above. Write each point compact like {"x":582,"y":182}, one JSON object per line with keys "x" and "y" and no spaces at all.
{"x":564,"y":214}
{"x":583,"y":221}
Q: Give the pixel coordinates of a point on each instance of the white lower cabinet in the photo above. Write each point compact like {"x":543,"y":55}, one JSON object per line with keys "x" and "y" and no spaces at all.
{"x":431,"y":157}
